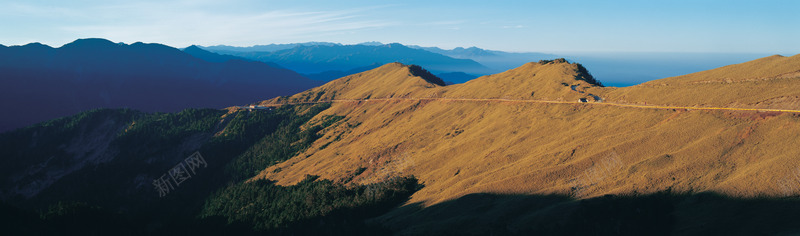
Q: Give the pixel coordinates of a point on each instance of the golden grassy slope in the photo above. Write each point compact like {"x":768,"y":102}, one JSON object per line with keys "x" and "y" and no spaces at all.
{"x":461,"y":147}
{"x":542,"y":81}
{"x":557,"y":80}
{"x":763,"y":68}
{"x":387,"y":81}
{"x":770,"y":82}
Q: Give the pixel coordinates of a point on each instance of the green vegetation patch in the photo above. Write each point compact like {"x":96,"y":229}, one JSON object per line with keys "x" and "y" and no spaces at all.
{"x":312,"y":203}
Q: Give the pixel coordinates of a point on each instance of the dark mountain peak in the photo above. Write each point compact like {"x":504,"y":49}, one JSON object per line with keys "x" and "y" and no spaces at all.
{"x":583,"y":73}
{"x":193,"y":48}
{"x":371,"y":43}
{"x":473,"y":48}
{"x":476,"y":50}
{"x":554,"y":61}
{"x":394,"y":45}
{"x":90,"y":43}
{"x":473,"y":51}
{"x":36,"y":45}
{"x":92,"y":73}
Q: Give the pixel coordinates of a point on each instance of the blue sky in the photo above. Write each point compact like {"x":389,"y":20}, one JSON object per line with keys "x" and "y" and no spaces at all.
{"x":767,"y":26}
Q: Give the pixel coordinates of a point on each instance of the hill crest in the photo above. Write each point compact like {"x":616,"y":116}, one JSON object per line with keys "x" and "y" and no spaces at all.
{"x":388,"y":81}
{"x":770,"y":82}
{"x":545,"y":80}
{"x":763,"y":68}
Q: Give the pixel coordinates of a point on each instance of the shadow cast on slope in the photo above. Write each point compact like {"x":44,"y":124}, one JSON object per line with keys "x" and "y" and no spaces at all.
{"x":655,"y":214}
{"x":426,"y":75}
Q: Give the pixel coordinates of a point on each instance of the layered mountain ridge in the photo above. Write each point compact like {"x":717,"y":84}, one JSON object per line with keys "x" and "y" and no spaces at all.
{"x":540,"y":149}
{"x":42,"y":83}
{"x":321,"y":61}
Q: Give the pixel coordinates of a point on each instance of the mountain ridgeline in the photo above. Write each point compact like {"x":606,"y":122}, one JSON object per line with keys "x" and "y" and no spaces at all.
{"x":541,"y":149}
{"x":497,"y":60}
{"x":671,"y":154}
{"x":614,"y":69}
{"x":42,"y":83}
{"x":317,"y":60}
{"x":583,"y":73}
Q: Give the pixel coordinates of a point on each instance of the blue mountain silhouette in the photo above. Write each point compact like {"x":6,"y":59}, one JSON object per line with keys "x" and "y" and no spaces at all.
{"x":41,"y":83}
{"x":318,"y":58}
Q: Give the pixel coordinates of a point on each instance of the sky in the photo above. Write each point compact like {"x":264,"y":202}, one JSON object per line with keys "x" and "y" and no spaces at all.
{"x":729,"y":26}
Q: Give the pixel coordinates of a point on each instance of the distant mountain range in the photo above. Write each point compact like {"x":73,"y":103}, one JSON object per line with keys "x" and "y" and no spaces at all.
{"x":93,"y":73}
{"x":265,"y":48}
{"x":335,"y":74}
{"x":496,"y":61}
{"x":329,"y":61}
{"x":41,"y":83}
{"x":614,"y":69}
{"x":319,"y":58}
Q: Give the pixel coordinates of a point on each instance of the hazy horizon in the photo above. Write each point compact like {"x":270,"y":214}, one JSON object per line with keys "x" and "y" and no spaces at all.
{"x":529,"y":26}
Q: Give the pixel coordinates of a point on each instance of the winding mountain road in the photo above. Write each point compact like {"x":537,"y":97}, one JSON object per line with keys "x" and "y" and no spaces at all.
{"x":539,"y":101}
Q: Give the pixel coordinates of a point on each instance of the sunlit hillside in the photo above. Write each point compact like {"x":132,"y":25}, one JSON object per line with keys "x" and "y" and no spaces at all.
{"x":770,"y":82}
{"x":458,"y":147}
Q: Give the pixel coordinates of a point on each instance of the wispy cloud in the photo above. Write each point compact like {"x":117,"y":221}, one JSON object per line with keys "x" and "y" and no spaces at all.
{"x":447,"y":22}
{"x":27,"y":10}
{"x":183,"y":22}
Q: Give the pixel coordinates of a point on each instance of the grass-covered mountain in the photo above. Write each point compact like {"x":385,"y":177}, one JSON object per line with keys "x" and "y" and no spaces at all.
{"x":564,"y":139}
{"x":519,"y":152}
{"x":41,"y":83}
{"x":542,"y":149}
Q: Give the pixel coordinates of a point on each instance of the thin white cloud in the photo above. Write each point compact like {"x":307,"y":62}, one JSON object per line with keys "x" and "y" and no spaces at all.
{"x":27,"y":10}
{"x":179,"y":23}
{"x":448,"y":22}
